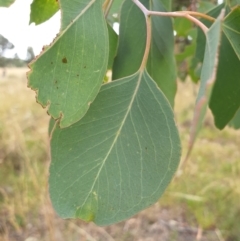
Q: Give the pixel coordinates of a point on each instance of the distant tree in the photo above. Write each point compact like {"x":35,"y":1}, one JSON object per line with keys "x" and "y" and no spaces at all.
{"x":4,"y":45}
{"x":30,"y":55}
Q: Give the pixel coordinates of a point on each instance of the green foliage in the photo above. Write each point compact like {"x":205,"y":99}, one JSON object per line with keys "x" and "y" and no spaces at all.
{"x":235,"y":122}
{"x":6,"y":3}
{"x":115,"y":146}
{"x":208,"y":75}
{"x":225,"y":99}
{"x":113,"y":42}
{"x":119,"y":161}
{"x":74,"y":65}
{"x":42,"y":10}
{"x":231,"y":28}
{"x":132,"y":41}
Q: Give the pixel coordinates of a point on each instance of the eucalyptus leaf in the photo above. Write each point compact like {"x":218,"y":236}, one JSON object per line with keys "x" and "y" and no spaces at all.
{"x":231,"y":28}
{"x":207,"y":79}
{"x":233,"y":3}
{"x":235,"y":122}
{"x":205,"y":6}
{"x":132,"y":40}
{"x":182,"y":26}
{"x":167,"y":4}
{"x":6,"y":3}
{"x":225,"y":99}
{"x":119,"y":158}
{"x":113,"y":43}
{"x":116,"y":6}
{"x":161,"y":62}
{"x":42,"y":10}
{"x":68,"y":74}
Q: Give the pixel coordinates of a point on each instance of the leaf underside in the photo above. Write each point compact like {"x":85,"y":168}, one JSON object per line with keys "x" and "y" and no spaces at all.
{"x":235,"y":122}
{"x":225,"y":99}
{"x":68,"y":74}
{"x":113,"y":42}
{"x":119,"y":158}
{"x":231,"y":28}
{"x":207,"y":79}
{"x":132,"y":41}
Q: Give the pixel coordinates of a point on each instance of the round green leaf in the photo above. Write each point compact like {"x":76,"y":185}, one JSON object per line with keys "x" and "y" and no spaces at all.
{"x":119,"y":158}
{"x":68,"y":74}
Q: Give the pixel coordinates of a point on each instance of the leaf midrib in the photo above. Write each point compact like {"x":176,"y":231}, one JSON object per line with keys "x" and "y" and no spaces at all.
{"x":62,"y":32}
{"x":233,"y":30}
{"x":117,"y":134}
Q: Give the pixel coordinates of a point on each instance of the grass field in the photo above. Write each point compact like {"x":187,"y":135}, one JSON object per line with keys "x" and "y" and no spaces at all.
{"x":201,"y":203}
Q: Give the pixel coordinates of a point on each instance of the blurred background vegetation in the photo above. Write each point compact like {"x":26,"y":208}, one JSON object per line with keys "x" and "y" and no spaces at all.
{"x":202,"y":200}
{"x":201,"y":203}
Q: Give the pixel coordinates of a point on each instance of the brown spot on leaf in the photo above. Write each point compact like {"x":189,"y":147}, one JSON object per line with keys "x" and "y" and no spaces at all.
{"x":64,"y":60}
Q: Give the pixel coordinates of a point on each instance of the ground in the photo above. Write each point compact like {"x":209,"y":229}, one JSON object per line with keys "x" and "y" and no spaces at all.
{"x":201,"y":203}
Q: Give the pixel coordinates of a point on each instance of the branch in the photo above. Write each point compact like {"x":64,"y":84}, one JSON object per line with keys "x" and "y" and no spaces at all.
{"x":183,"y":14}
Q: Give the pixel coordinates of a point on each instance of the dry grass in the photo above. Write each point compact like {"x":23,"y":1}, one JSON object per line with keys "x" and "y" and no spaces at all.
{"x":204,"y":195}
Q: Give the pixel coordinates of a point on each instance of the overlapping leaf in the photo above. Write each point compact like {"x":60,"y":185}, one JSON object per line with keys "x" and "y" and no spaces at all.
{"x":161,"y":63}
{"x":225,"y":99}
{"x":231,"y":28}
{"x":132,"y":40}
{"x":205,"y":6}
{"x":208,"y":76}
{"x":6,"y":3}
{"x":68,"y":74}
{"x":42,"y":10}
{"x":113,"y":42}
{"x":119,"y":158}
{"x":116,"y":5}
{"x":235,"y":122}
{"x":166,"y":4}
{"x":233,"y":3}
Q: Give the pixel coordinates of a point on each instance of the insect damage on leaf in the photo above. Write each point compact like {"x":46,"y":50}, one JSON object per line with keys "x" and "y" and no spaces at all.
{"x":69,"y":102}
{"x":64,"y":60}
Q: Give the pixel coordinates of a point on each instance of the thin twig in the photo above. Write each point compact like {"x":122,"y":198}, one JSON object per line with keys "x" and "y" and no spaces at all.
{"x":219,"y":235}
{"x":183,"y":14}
{"x":148,"y":43}
{"x":201,"y":15}
{"x":107,"y":8}
{"x":149,"y":33}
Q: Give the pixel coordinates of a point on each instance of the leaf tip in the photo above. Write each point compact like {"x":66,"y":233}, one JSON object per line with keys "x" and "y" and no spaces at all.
{"x":85,"y":213}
